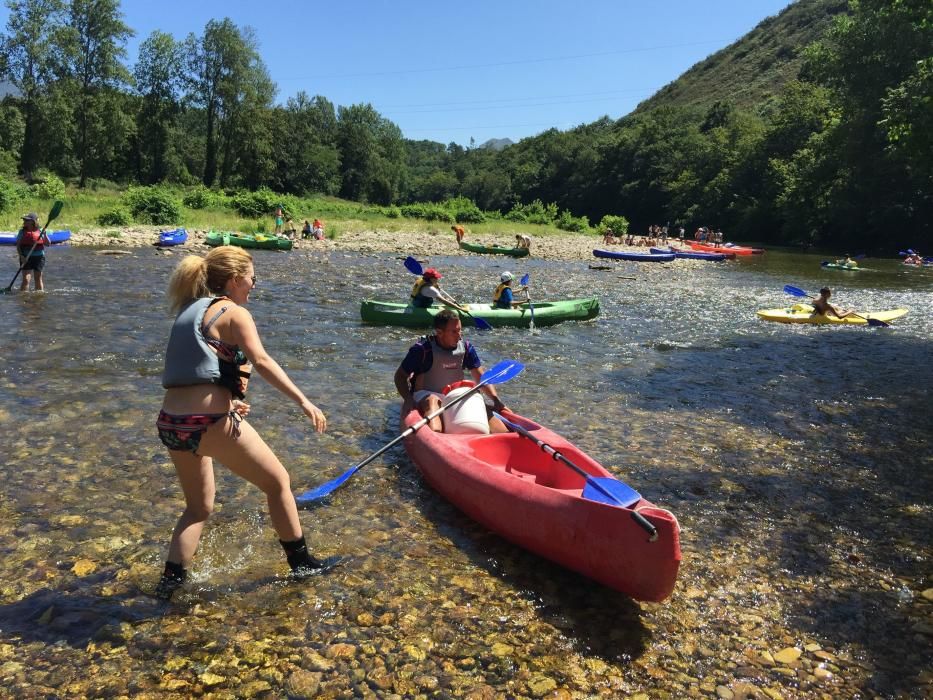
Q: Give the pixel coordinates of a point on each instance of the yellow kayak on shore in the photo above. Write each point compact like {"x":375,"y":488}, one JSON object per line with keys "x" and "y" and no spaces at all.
{"x":804,"y":313}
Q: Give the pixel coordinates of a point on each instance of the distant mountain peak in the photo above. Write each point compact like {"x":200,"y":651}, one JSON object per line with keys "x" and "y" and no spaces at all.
{"x":496,"y":144}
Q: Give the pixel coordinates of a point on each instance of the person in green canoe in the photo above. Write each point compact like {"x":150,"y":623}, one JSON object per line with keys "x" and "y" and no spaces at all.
{"x":427,"y":290}
{"x":503,"y":297}
{"x":822,"y":305}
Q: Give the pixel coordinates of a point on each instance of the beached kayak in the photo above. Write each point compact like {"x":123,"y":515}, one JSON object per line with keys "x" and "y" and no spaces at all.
{"x":508,"y":484}
{"x":725,"y":248}
{"x":494,"y":249}
{"x":246,"y":240}
{"x":838,"y":266}
{"x":170,"y":238}
{"x":804,"y":313}
{"x":8,"y":238}
{"x":710,"y":257}
{"x":634,"y":257}
{"x":546,"y":313}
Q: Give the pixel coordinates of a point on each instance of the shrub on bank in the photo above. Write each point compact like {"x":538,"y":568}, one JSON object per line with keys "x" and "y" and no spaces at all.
{"x":618,"y":224}
{"x":152,"y":205}
{"x":118,"y":216}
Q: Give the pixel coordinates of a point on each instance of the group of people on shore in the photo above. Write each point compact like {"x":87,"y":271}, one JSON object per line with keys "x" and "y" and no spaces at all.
{"x":285,"y":226}
{"x":657,"y":235}
{"x":704,"y":234}
{"x":213,"y":349}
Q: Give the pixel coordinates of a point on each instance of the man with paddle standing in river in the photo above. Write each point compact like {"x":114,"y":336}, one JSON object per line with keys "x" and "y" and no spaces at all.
{"x":436,"y":361}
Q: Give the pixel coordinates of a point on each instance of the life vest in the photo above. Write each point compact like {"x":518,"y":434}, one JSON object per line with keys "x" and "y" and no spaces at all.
{"x":417,"y":299}
{"x":446,"y":365}
{"x":189,"y":359}
{"x":28,"y":239}
{"x":498,"y":293}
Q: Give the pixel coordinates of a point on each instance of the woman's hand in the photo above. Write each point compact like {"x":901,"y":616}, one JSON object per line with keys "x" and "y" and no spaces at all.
{"x":241,"y":408}
{"x":315,"y":415}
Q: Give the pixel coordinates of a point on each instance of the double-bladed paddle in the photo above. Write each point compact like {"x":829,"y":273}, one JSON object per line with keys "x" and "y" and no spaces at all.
{"x":797,"y":292}
{"x":56,"y":210}
{"x":502,"y":372}
{"x":524,"y":282}
{"x":414,"y":267}
{"x":603,"y":489}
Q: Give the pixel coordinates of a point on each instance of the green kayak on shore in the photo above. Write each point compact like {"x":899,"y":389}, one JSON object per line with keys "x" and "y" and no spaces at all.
{"x":546,"y":313}
{"x":494,"y":249}
{"x":246,"y":240}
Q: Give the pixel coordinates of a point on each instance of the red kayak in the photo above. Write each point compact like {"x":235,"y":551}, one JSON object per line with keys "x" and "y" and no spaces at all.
{"x":725,"y":248}
{"x":509,"y":484}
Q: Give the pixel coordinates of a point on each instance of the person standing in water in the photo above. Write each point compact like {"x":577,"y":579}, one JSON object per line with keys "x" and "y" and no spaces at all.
{"x":30,"y":246}
{"x":211,"y":350}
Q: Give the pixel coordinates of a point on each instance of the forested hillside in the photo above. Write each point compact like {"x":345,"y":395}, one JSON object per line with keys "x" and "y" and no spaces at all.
{"x":815,"y":129}
{"x":751,"y":71}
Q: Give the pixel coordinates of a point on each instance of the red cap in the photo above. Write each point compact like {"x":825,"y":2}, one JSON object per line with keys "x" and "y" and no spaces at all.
{"x":431,"y":272}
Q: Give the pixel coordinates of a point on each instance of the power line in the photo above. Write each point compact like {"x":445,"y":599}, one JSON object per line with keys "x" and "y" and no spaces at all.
{"x":549,"y":59}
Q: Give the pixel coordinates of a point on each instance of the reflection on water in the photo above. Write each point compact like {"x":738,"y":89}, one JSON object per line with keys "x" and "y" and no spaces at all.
{"x":796,"y":458}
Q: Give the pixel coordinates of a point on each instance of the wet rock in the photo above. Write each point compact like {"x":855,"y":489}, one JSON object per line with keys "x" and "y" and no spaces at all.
{"x":788,"y":655}
{"x":304,"y":684}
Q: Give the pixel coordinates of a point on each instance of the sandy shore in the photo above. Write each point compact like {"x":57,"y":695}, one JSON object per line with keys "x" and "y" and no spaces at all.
{"x":559,"y":247}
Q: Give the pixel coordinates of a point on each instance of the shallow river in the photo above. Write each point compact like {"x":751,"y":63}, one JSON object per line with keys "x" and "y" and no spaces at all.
{"x":797,"y":459}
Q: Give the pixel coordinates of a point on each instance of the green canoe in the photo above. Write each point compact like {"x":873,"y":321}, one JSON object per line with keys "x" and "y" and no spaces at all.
{"x":246,"y":240}
{"x":547,"y":313}
{"x":514,"y":252}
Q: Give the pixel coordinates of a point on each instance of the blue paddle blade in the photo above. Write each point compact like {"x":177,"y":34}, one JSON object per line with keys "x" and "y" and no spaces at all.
{"x":502,"y":372}
{"x":794,"y":291}
{"x":413,"y":266}
{"x":482,"y":324}
{"x":621,"y":493}
{"x":324,"y":489}
{"x":524,"y":280}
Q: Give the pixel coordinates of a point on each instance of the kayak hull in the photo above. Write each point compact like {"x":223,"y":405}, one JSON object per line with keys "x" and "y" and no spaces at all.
{"x":246,"y":240}
{"x":494,"y":250}
{"x":546,"y":313}
{"x":837,"y":266}
{"x":804,"y":313}
{"x":725,"y":248}
{"x":509,"y":485}
{"x":634,"y":257}
{"x":171,"y":238}
{"x":710,"y":257}
{"x":8,"y":238}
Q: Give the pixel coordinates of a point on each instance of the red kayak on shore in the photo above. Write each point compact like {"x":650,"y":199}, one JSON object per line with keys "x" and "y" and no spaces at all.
{"x":509,"y":484}
{"x":725,"y":248}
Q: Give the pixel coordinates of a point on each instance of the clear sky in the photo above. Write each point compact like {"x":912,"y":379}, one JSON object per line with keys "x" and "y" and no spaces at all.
{"x":452,"y":71}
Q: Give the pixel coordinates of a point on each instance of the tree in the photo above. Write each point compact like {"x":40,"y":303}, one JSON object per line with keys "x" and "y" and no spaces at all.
{"x":92,"y":42}
{"x":28,"y":55}
{"x":159,"y":74}
{"x":372,"y":155}
{"x":228,"y":80}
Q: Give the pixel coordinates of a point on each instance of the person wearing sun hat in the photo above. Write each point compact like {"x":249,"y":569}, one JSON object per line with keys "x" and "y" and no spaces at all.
{"x":30,"y":245}
{"x":427,"y":290}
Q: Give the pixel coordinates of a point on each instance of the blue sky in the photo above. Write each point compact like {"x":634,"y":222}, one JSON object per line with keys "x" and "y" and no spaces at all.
{"x":449,"y":71}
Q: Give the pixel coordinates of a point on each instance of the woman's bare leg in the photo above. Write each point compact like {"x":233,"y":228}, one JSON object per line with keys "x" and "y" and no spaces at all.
{"x":196,"y":475}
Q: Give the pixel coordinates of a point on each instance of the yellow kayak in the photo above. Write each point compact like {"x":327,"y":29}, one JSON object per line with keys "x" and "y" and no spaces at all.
{"x":804,"y":313}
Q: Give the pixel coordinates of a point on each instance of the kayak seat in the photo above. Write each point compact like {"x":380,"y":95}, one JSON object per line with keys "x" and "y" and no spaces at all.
{"x":519,"y":456}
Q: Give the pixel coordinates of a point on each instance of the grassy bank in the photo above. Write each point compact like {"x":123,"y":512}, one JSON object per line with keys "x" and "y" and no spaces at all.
{"x":84,"y":208}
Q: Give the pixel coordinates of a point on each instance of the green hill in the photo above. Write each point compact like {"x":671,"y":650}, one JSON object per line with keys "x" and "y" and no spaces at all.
{"x":750,"y":71}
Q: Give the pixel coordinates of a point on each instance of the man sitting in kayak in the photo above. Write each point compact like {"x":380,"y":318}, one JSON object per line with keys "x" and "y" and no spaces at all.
{"x":822,"y":305}
{"x":502,"y":298}
{"x":436,"y":361}
{"x":847,"y":261}
{"x":427,"y":290}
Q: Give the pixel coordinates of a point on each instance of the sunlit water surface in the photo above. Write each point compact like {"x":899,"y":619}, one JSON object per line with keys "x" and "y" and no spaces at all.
{"x":797,"y":459}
